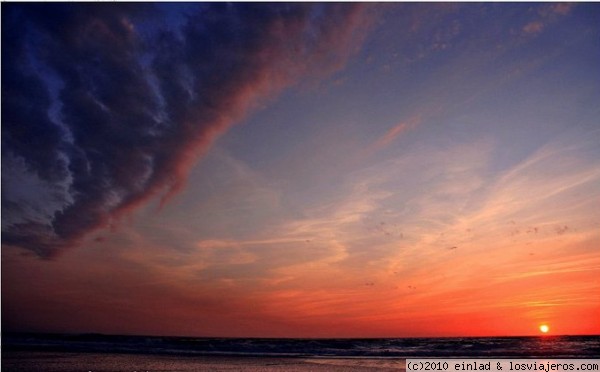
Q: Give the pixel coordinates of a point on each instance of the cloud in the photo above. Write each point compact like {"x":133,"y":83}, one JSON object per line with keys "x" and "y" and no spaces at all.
{"x":547,"y":15}
{"x":397,"y":130}
{"x":533,"y":27}
{"x":561,"y":8}
{"x":115,"y":105}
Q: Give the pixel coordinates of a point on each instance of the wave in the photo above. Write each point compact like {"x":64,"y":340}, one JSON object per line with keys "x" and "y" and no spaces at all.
{"x":557,"y":346}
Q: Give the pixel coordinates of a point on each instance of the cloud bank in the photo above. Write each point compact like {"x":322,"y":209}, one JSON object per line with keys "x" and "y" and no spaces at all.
{"x":109,"y":105}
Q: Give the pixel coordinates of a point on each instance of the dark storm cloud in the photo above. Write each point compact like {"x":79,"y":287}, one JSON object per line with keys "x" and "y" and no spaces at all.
{"x":138,"y":99}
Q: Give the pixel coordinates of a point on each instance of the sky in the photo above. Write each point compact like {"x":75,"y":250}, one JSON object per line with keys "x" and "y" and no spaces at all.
{"x":301,"y":169}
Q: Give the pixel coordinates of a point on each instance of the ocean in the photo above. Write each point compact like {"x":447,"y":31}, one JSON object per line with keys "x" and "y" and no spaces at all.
{"x":94,"y":352}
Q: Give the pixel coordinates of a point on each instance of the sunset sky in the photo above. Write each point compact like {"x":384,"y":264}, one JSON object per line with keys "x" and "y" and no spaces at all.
{"x":301,"y":170}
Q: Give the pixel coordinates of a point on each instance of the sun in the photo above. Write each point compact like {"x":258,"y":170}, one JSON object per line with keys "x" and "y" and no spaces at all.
{"x":544,"y":328}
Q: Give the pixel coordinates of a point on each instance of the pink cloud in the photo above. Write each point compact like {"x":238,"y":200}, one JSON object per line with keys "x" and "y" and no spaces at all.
{"x":397,"y":130}
{"x":561,"y":8}
{"x":533,"y":27}
{"x":547,"y":15}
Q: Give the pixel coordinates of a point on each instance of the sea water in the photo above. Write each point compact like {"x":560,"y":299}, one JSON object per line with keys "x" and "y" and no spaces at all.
{"x":93,"y":352}
{"x":543,"y":346}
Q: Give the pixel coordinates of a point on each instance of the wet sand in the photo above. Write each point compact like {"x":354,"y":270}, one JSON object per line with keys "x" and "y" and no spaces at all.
{"x":30,"y":361}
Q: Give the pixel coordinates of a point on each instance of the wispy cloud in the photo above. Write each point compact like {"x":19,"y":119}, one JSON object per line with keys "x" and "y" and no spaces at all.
{"x":533,"y":27}
{"x":546,"y":15}
{"x":398,"y":130}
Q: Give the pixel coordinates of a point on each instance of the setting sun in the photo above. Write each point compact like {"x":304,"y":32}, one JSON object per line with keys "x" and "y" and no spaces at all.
{"x":544,"y":328}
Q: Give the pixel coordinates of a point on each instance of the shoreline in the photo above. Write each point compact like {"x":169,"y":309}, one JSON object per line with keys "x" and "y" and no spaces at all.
{"x":63,"y":361}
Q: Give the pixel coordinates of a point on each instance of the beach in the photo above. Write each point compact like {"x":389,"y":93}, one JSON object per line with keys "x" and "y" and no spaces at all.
{"x":30,"y":361}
